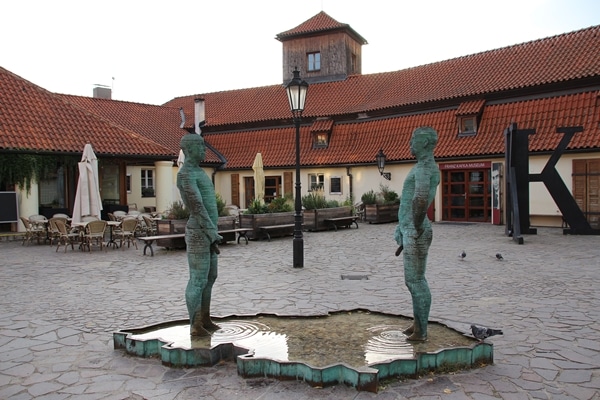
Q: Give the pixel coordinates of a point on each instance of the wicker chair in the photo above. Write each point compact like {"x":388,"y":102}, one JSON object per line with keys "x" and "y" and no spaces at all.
{"x":126,"y":233}
{"x":53,"y":232}
{"x":32,"y":231}
{"x":149,"y":226}
{"x":94,"y":233}
{"x":65,"y":237}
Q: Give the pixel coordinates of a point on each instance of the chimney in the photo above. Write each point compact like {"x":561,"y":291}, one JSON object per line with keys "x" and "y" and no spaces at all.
{"x":102,"y":92}
{"x":199,"y":114}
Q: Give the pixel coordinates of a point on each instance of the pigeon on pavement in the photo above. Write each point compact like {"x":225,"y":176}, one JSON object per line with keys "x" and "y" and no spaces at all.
{"x":481,"y":333}
{"x":499,"y":256}
{"x":462,"y":255}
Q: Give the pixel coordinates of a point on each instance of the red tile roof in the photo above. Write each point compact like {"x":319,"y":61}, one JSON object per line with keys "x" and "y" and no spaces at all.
{"x":157,"y":123}
{"x":320,"y":23}
{"x":358,"y":142}
{"x":472,"y":107}
{"x":31,"y":118}
{"x":567,"y":57}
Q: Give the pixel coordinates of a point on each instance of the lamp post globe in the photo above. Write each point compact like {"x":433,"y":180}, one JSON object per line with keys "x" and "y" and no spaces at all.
{"x":296,"y":90}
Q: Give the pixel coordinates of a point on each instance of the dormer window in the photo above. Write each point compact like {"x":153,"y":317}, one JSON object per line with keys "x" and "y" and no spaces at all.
{"x":468,"y":115}
{"x":321,"y":139}
{"x":314,"y":61}
{"x":467,"y":125}
{"x":321,"y":132}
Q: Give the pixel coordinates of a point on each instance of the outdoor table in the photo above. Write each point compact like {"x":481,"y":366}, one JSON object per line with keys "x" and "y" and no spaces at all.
{"x":111,"y":240}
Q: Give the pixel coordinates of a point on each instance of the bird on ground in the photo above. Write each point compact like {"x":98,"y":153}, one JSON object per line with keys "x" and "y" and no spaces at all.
{"x":481,"y":333}
{"x":462,"y":255}
{"x":499,"y":256}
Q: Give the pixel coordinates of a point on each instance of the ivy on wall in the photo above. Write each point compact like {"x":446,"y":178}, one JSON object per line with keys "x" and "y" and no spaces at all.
{"x":24,"y":169}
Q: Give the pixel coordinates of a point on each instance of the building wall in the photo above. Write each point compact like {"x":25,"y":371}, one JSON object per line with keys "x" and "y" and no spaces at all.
{"x":543,"y":210}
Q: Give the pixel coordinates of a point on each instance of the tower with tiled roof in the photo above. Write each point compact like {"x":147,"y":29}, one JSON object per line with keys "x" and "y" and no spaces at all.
{"x":322,"y":49}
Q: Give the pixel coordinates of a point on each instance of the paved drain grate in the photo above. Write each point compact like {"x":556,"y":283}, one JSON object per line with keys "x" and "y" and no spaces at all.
{"x":355,"y":277}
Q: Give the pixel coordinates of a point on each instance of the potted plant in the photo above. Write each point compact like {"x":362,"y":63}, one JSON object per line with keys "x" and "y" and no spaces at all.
{"x":278,"y":212}
{"x":317,"y":209}
{"x":381,"y":207}
{"x":173,"y":221}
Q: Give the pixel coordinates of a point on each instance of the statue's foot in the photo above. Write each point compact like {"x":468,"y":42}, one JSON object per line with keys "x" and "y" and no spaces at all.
{"x":409,"y":330}
{"x":198,"y":331}
{"x":416,"y":337}
{"x":210,"y":326}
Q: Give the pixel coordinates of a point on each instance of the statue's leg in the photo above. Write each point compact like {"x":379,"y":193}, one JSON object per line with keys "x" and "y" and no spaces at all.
{"x":198,"y":255}
{"x":415,"y":261}
{"x":207,"y":294}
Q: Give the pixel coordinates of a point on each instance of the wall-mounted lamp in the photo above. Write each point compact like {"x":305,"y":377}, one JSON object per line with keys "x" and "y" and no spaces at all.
{"x":380,"y":157}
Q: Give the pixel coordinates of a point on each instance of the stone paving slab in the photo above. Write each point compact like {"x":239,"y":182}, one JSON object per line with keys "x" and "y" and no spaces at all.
{"x":58,"y":312}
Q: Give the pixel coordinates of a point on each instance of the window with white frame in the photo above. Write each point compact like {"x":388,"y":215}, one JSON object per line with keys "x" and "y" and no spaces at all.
{"x":335,"y":185}
{"x":467,"y":125}
{"x":314,"y":61}
{"x":147,"y":183}
{"x":316,"y":182}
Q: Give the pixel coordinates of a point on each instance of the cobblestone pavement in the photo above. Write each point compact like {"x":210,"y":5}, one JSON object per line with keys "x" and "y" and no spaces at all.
{"x":58,"y":312}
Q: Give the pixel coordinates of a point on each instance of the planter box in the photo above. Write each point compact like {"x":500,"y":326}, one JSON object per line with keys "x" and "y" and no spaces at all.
{"x":254,"y":221}
{"x":168,"y":227}
{"x":379,"y":214}
{"x":227,"y":224}
{"x":314,"y":219}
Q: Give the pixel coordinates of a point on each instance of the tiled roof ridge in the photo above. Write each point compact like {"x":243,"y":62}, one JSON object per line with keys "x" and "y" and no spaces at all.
{"x":99,"y":99}
{"x":109,"y":121}
{"x":505,"y":48}
{"x":218,"y":92}
{"x":317,"y":23}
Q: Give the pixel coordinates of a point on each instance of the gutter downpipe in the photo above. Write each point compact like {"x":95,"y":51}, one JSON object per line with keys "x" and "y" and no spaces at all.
{"x":351,"y":189}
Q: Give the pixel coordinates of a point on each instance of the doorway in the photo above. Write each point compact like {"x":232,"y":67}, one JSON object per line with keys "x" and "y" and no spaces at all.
{"x":466,"y":195}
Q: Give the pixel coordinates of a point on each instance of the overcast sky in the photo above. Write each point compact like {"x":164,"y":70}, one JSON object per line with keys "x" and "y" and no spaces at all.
{"x":151,"y":51}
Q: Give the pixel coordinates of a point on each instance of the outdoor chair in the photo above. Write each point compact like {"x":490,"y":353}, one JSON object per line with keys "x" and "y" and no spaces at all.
{"x":119,"y":214}
{"x":94,"y":233}
{"x":53,"y":232}
{"x":61,"y":215}
{"x":65,"y":237}
{"x":149,"y":226}
{"x":32,"y":231}
{"x":126,"y":233}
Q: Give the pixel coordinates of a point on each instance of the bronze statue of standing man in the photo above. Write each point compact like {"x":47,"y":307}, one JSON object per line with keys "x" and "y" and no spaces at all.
{"x":413,"y":233}
{"x":201,"y":234}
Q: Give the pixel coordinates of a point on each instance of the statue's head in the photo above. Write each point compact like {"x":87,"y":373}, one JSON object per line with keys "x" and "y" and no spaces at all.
{"x":423,"y":140}
{"x":193,"y":147}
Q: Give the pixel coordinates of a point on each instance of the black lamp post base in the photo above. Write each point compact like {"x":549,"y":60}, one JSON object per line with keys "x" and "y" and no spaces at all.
{"x":298,"y":252}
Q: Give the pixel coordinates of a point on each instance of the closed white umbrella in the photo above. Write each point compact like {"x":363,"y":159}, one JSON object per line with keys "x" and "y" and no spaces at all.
{"x":87,"y":197}
{"x":259,"y":178}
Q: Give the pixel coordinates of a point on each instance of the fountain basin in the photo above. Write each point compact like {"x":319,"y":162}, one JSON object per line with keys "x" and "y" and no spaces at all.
{"x":357,"y":348}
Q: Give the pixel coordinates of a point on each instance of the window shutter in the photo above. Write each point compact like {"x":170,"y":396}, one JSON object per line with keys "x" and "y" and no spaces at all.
{"x":288,"y":183}
{"x":235,"y":189}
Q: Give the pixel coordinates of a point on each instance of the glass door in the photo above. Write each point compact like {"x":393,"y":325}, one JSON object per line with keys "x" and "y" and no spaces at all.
{"x":466,"y":195}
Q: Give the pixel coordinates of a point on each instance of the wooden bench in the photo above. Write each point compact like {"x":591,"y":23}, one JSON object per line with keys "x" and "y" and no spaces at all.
{"x":284,"y":229}
{"x":240,"y":232}
{"x":345,"y":222}
{"x":149,"y":240}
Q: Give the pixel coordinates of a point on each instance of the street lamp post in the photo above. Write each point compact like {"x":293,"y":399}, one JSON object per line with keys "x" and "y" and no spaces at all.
{"x":296,"y":91}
